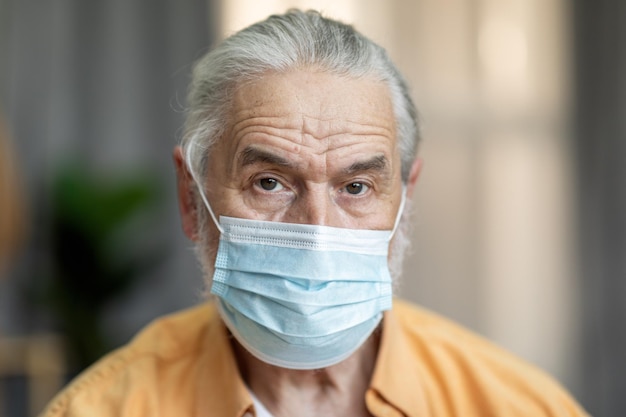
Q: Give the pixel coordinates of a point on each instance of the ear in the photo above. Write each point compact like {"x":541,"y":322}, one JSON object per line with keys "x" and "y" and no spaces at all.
{"x":186,"y":195}
{"x":414,"y":174}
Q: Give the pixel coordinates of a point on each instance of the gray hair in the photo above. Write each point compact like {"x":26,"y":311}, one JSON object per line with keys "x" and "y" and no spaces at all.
{"x":283,"y":43}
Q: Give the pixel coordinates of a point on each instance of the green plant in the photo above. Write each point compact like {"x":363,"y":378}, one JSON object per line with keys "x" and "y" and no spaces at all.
{"x":100,"y":247}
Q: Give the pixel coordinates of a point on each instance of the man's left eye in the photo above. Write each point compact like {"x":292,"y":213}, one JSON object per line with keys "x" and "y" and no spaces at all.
{"x":270,"y":184}
{"x":356,"y":188}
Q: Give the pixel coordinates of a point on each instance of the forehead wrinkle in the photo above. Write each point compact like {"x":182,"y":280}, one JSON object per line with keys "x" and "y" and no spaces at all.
{"x":295,"y":140}
{"x":251,"y":134}
{"x":264,"y":124}
{"x":329,"y":128}
{"x":297,"y":128}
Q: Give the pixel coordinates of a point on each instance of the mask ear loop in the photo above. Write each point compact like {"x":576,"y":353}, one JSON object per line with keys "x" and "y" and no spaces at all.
{"x":400,"y":211}
{"x":200,"y":188}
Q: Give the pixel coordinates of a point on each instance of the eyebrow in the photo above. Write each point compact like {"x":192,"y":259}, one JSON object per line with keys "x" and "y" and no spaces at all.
{"x":252,"y":155}
{"x":377,"y":163}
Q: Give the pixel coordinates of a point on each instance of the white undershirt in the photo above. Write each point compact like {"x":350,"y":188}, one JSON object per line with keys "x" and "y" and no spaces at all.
{"x":261,"y":411}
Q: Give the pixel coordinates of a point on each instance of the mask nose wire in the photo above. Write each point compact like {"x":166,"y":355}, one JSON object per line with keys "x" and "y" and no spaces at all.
{"x":400,"y":211}
{"x":201,"y":189}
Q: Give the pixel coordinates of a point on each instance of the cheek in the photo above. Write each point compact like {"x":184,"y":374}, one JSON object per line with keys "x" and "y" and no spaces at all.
{"x":375,"y":214}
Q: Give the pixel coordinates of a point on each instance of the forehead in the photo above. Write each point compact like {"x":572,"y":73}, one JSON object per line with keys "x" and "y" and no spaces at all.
{"x":313,"y":104}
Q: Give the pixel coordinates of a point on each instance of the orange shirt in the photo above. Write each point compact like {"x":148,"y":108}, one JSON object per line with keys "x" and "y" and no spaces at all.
{"x":183,"y":365}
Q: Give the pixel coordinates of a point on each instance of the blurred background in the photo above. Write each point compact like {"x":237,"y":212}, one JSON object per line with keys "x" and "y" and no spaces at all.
{"x":519,"y":220}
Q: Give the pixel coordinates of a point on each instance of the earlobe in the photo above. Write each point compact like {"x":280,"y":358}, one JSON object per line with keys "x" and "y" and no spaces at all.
{"x":186,"y":195}
{"x":414,"y":174}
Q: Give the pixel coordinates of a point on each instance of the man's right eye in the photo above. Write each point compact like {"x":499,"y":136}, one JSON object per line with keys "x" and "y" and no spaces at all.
{"x":270,"y":184}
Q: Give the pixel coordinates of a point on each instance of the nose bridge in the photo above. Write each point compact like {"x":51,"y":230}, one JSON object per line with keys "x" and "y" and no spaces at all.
{"x":315,"y":207}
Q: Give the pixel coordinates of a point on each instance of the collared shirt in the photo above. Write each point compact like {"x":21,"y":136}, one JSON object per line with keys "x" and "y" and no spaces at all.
{"x":183,"y":365}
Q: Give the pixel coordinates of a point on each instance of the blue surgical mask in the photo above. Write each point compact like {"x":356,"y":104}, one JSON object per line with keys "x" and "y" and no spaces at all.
{"x":301,"y":296}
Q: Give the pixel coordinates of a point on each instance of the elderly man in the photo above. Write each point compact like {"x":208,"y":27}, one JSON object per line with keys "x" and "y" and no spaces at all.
{"x":297,"y":161}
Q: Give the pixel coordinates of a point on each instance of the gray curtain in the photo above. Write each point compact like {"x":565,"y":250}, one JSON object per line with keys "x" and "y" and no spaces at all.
{"x":102,"y":82}
{"x":600,"y":131}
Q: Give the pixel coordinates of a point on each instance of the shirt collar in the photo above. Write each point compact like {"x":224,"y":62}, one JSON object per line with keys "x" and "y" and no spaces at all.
{"x":221,"y":391}
{"x":397,"y":372}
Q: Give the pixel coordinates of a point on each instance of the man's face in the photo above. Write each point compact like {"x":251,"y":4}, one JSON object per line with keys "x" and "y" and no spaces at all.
{"x":308,"y":147}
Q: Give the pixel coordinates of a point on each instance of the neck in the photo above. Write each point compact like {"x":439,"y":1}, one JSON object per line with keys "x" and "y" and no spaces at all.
{"x":335,"y":390}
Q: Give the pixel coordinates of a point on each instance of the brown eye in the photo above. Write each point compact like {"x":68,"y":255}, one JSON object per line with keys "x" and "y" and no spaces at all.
{"x":270,"y":184}
{"x":356,"y":188}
